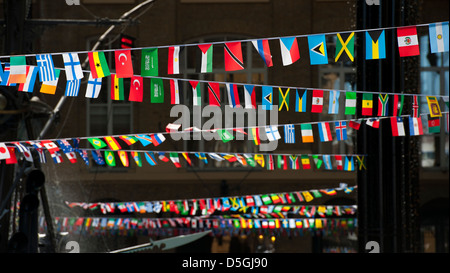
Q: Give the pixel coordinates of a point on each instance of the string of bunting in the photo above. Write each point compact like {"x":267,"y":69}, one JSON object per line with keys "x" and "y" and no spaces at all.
{"x":256,"y":203}
{"x":99,"y":225}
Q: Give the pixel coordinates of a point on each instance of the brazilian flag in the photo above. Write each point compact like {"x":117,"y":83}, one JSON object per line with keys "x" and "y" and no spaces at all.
{"x":97,"y":143}
{"x":110,"y":159}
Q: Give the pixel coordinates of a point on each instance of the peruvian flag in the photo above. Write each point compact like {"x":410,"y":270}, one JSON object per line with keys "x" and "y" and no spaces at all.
{"x":408,"y":42}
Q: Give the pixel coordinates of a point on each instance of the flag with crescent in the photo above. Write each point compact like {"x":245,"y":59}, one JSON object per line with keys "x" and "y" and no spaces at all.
{"x":136,"y":89}
{"x":124,"y":65}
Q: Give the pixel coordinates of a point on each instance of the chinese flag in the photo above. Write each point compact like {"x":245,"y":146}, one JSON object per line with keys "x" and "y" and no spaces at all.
{"x":124,"y":65}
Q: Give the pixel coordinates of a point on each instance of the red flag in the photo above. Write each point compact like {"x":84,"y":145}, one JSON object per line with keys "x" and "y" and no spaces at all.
{"x":408,"y":42}
{"x":12,"y":159}
{"x":136,"y":89}
{"x":355,"y":124}
{"x":124,"y":66}
{"x":174,"y":92}
{"x":214,"y":93}
{"x":233,"y":56}
{"x":317,"y":101}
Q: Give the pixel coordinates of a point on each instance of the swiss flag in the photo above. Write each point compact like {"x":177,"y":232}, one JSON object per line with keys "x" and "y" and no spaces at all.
{"x":136,"y":89}
{"x":124,"y":65}
{"x":408,"y":42}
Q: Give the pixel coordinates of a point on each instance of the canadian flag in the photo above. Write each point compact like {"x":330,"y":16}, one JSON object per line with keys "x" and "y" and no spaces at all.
{"x":408,"y":42}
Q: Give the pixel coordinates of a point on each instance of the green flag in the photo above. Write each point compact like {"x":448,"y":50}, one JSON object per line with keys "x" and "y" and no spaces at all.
{"x":97,"y":143}
{"x":110,"y":159}
{"x":318,"y":161}
{"x":149,"y":62}
{"x":225,"y":135}
{"x":157,"y":90}
{"x":350,"y":103}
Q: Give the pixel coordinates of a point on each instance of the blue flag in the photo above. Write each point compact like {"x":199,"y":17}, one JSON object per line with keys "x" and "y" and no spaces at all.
{"x":439,"y":37}
{"x":317,"y":49}
{"x":267,"y":97}
{"x":98,"y":158}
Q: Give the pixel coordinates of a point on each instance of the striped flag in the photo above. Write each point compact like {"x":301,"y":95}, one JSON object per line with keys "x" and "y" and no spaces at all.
{"x":307,"y":133}
{"x":289,"y":133}
{"x":408,"y":42}
{"x":72,"y":88}
{"x":415,"y":126}
{"x":196,"y":93}
{"x":324,"y":132}
{"x":250,"y":97}
{"x":112,"y":143}
{"x":300,"y":100}
{"x":255,"y":135}
{"x":205,"y":58}
{"x":28,"y":85}
{"x":214,"y":93}
{"x":397,"y":126}
{"x":174,"y":92}
{"x":333,"y":107}
{"x":383,"y":105}
{"x":99,"y":66}
{"x":233,"y":95}
{"x":49,"y":87}
{"x":349,"y":164}
{"x":327,"y":162}
{"x":157,"y":138}
{"x":350,"y":103}
{"x":117,"y":91}
{"x":317,"y":101}
{"x":18,"y":69}
{"x":173,"y":64}
{"x":262,"y":46}
{"x":46,"y":68}
{"x":439,"y":37}
{"x":233,"y":56}
{"x":72,"y":66}
{"x":289,"y":50}
{"x":397,"y":105}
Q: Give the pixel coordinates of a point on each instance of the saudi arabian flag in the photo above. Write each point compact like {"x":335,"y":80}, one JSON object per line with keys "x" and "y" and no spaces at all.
{"x":110,"y":159}
{"x":350,"y":103}
{"x":157,"y":90}
{"x":149,"y":62}
{"x":205,"y":58}
{"x":97,"y":143}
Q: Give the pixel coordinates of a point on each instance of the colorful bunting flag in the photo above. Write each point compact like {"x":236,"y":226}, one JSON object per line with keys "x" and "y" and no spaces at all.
{"x":349,"y":164}
{"x":174,"y":92}
{"x":28,"y":85}
{"x":205,"y":58}
{"x":324,"y":132}
{"x":397,"y":105}
{"x":317,"y":101}
{"x":350,"y":103}
{"x":433,"y":106}
{"x":214,"y":93}
{"x":306,"y":163}
{"x":341,"y":130}
{"x":72,"y":88}
{"x":123,"y":61}
{"x":397,"y":126}
{"x":307,"y":133}
{"x":137,"y":89}
{"x":110,"y":159}
{"x":345,"y":45}
{"x":439,"y":37}
{"x":283,"y":99}
{"x":18,"y":69}
{"x":123,"y":158}
{"x":415,"y":126}
{"x":408,"y":42}
{"x":289,"y":50}
{"x":72,"y":66}
{"x":94,"y":85}
{"x":333,"y":106}
{"x":434,"y":124}
{"x":117,"y":91}
{"x":267,"y":97}
{"x":149,"y":62}
{"x":233,"y":56}
{"x":262,"y":46}
{"x":157,"y":90}
{"x":46,"y":68}
{"x":196,"y":93}
{"x":99,"y":66}
{"x":112,"y":143}
{"x":383,"y":105}
{"x":250,"y":97}
{"x":317,"y":49}
{"x":233,"y":95}
{"x":367,"y":104}
{"x":97,"y":143}
{"x":49,"y":87}
{"x":289,"y":133}
{"x":272,"y":133}
{"x":173,"y":64}
{"x":375,"y":45}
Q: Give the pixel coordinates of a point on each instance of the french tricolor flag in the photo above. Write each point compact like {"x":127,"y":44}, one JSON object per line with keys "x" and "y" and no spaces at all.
{"x":289,"y":50}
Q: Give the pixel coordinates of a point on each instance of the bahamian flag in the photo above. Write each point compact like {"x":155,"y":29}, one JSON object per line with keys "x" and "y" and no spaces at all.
{"x":317,"y":49}
{"x":375,"y":45}
{"x":267,"y":97}
{"x":300,"y":100}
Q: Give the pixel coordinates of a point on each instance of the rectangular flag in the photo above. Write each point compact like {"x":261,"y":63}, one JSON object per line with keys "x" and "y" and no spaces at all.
{"x":300,"y":100}
{"x":214,"y":93}
{"x":375,"y":45}
{"x":18,"y":69}
{"x":350,"y":103}
{"x":72,"y":66}
{"x":137,"y":158}
{"x":306,"y":163}
{"x":317,"y":101}
{"x":46,"y":68}
{"x":4,"y":152}
{"x":415,"y":126}
{"x":255,"y":135}
{"x":317,"y":161}
{"x":98,"y":158}
{"x":174,"y":92}
{"x":149,"y":62}
{"x":175,"y":159}
{"x":289,"y":50}
{"x":373,"y":122}
{"x":117,"y":92}
{"x":415,"y":106}
{"x":50,"y":86}
{"x":233,"y":56}
{"x":433,"y":106}
{"x":262,"y":46}
{"x":99,"y":66}
{"x":439,"y":37}
{"x":367,"y":104}
{"x":233,"y":95}
{"x":267,"y":97}
{"x":317,"y":49}
{"x":123,"y":156}
{"x":327,"y":162}
{"x":110,"y":158}
{"x":397,"y":126}
{"x":204,"y":58}
{"x":333,"y":106}
{"x":157,"y":90}
{"x":72,"y":88}
{"x":341,"y":130}
{"x":283,"y":98}
{"x":383,"y":105}
{"x":196,"y":93}
{"x":307,"y":133}
{"x":94,"y":85}
{"x":272,"y":133}
{"x":349,"y":164}
{"x":293,"y":161}
{"x":173,"y":64}
{"x":97,"y":143}
{"x":112,"y":143}
{"x":408,"y":42}
{"x":397,"y":105}
{"x":289,"y":133}
{"x":129,"y":140}
{"x":157,"y":138}
{"x":355,"y":124}
{"x":345,"y":47}
{"x":136,"y":89}
{"x":4,"y":80}
{"x":28,"y":85}
{"x":249,"y":96}
{"x":434,"y":124}
{"x":339,"y":165}
{"x":324,"y":131}
{"x":124,"y":65}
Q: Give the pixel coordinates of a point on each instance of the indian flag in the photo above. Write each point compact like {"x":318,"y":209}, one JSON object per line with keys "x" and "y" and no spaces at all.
{"x":98,"y":65}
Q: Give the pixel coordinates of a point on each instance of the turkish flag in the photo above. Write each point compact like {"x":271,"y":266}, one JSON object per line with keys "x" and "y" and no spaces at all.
{"x":124,"y":65}
{"x":136,"y":89}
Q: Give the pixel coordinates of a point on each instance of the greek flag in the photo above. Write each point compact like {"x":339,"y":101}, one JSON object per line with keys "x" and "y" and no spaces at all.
{"x":46,"y":68}
{"x":289,"y":133}
{"x":72,"y":88}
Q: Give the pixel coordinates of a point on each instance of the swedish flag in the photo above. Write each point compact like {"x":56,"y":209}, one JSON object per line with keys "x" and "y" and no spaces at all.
{"x":375,"y":45}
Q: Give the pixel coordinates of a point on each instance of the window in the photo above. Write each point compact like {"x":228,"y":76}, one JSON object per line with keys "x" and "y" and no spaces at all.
{"x":337,"y":76}
{"x":255,"y":72}
{"x":107,"y":117}
{"x":434,"y":80}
